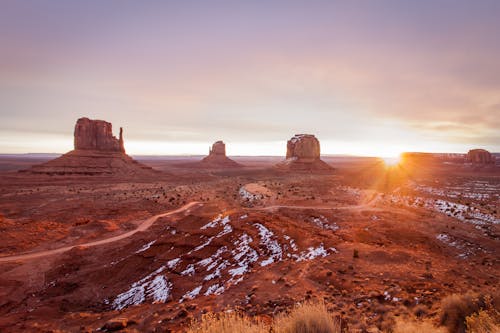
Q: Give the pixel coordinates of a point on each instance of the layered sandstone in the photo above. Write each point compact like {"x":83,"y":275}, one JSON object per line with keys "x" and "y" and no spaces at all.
{"x":97,"y":135}
{"x":480,"y":156}
{"x":217,"y":157}
{"x":97,"y":152}
{"x":303,"y":153}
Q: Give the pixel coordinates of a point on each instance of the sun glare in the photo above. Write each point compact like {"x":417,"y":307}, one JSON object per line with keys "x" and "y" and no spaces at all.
{"x":392,"y":161}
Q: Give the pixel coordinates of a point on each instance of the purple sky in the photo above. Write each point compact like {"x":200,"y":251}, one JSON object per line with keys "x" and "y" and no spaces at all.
{"x":366,"y":77}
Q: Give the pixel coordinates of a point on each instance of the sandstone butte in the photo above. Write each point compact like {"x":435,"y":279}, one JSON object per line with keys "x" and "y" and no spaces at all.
{"x":96,"y":152}
{"x":303,"y":154}
{"x":217,"y":157}
{"x":480,"y":156}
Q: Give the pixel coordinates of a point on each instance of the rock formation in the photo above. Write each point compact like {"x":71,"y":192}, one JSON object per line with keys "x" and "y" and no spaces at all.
{"x":97,"y":135}
{"x":97,"y":152}
{"x":303,"y":146}
{"x":217,"y":157}
{"x":480,"y":156}
{"x":303,"y":153}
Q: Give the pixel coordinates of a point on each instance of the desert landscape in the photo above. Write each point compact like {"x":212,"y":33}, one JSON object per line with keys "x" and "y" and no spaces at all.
{"x":95,"y":240}
{"x":319,"y":166}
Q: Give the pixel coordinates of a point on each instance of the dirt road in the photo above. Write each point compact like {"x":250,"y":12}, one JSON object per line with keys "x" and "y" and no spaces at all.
{"x":142,"y":227}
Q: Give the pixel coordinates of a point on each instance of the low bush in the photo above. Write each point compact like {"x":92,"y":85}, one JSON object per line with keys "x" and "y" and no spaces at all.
{"x":227,"y":322}
{"x":311,"y":317}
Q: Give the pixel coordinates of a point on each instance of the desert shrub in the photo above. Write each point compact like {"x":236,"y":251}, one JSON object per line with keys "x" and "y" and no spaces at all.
{"x":310,"y":317}
{"x":456,"y":308}
{"x":225,"y":322}
{"x":420,"y":311}
{"x":487,"y":320}
{"x":410,"y":326}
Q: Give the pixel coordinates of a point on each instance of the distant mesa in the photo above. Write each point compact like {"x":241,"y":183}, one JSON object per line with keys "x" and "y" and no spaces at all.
{"x":480,"y":156}
{"x":217,"y":157}
{"x":303,"y":154}
{"x":97,"y":152}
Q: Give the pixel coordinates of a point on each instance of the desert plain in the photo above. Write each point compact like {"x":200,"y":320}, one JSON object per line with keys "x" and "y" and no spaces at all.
{"x":373,"y":241}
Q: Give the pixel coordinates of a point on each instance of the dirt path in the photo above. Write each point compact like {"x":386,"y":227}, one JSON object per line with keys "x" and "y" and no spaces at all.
{"x":368,"y":204}
{"x":142,"y":227}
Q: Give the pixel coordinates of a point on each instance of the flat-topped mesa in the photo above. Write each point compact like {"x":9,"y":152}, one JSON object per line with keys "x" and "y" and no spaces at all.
{"x":480,"y":156}
{"x":303,"y":146}
{"x":97,"y":135}
{"x":303,"y":154}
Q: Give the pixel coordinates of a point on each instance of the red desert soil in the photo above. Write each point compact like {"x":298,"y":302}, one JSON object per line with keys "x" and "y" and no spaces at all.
{"x":372,"y":242}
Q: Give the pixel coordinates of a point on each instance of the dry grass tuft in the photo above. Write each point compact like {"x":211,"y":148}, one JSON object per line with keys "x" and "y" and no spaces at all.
{"x":227,"y":322}
{"x":410,"y":326}
{"x":456,"y":308}
{"x":310,"y":317}
{"x":487,"y":320}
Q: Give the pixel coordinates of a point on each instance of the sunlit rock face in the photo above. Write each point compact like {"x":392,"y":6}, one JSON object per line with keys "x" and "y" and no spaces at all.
{"x":480,"y":156}
{"x":303,"y":154}
{"x":97,"y":135}
{"x":303,"y":146}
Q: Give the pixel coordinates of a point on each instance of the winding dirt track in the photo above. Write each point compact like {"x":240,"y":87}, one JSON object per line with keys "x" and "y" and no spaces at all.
{"x":142,"y":227}
{"x":149,"y":222}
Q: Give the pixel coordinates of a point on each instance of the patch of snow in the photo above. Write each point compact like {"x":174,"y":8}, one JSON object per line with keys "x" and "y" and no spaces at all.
{"x":312,"y":253}
{"x":153,"y":285}
{"x":219,"y":220}
{"x":249,"y":196}
{"x":202,"y":245}
{"x":244,"y":255}
{"x":145,"y":247}
{"x":191,"y":295}
{"x":172,"y":263}
{"x":273,"y":247}
{"x":215,"y":289}
{"x":323,"y":223}
{"x":189,"y":270}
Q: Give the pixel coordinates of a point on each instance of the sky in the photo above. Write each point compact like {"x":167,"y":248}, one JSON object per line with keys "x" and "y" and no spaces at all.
{"x":369,"y":78}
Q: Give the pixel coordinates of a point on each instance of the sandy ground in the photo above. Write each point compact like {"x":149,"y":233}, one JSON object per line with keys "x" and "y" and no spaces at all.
{"x":373,"y":242}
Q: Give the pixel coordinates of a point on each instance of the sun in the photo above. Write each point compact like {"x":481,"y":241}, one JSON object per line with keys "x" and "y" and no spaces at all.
{"x":391,"y":160}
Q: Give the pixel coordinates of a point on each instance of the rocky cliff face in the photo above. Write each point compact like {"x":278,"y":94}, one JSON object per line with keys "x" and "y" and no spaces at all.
{"x":218,"y":148}
{"x":480,"y":156}
{"x":97,"y":152}
{"x":303,"y":154}
{"x":97,"y":135}
{"x":303,"y":146}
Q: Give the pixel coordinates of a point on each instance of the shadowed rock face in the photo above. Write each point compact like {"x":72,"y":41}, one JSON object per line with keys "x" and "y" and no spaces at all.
{"x":217,"y":157}
{"x":97,"y":135}
{"x":303,"y":146}
{"x":97,"y":152}
{"x":480,"y":156}
{"x":218,"y":148}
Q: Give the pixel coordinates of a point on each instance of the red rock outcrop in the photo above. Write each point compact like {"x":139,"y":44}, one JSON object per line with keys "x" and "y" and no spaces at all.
{"x":303,"y":146}
{"x":217,"y":157}
{"x":303,"y":153}
{"x":480,"y":156}
{"x":97,"y":135}
{"x":97,"y":152}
